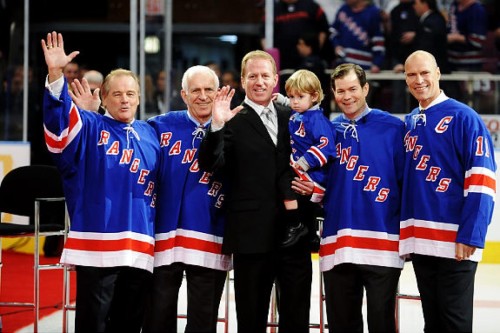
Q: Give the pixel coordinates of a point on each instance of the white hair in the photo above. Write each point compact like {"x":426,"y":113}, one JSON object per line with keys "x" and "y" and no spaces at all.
{"x":195,"y":70}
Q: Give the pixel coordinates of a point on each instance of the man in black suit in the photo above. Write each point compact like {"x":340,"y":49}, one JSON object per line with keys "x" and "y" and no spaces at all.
{"x":255,"y":161}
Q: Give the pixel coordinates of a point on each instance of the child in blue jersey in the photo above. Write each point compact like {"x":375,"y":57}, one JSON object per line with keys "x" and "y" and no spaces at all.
{"x":310,"y":138}
{"x":310,"y":130}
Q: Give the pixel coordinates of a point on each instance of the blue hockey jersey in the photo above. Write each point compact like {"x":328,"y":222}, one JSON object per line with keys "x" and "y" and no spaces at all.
{"x":310,"y":137}
{"x":189,"y":219}
{"x":363,"y":194}
{"x":449,"y":183}
{"x":361,"y":36}
{"x":472,"y":23}
{"x":109,"y":171}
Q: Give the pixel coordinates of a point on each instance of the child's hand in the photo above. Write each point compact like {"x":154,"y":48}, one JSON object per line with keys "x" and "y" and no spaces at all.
{"x":297,"y":166}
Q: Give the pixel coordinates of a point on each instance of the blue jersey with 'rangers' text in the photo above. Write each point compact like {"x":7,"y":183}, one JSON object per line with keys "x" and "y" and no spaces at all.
{"x":449,"y":184}
{"x":109,"y":171}
{"x":363,"y":194}
{"x":189,"y":219}
{"x":311,"y":136}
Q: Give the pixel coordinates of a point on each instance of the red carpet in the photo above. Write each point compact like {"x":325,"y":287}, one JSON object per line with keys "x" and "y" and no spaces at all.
{"x":17,"y":282}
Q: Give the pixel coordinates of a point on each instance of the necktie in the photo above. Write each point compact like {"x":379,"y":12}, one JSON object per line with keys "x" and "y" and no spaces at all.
{"x":269,"y":122}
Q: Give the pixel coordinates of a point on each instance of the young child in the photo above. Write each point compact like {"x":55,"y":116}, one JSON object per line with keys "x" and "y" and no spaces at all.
{"x":311,"y":136}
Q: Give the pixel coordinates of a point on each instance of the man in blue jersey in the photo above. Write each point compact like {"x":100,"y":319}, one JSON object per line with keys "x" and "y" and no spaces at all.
{"x":359,"y":245}
{"x":190,"y":218}
{"x":108,"y":164}
{"x":448,"y":197}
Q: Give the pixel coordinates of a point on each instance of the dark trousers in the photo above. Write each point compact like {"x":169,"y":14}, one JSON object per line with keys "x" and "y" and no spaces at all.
{"x":110,"y":299}
{"x":344,"y":288}
{"x":204,"y":291}
{"x":254,"y":275}
{"x":446,"y":287}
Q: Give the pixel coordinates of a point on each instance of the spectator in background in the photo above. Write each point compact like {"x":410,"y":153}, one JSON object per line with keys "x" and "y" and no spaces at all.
{"x":149,"y":91}
{"x":431,"y":36}
{"x":232,"y":79}
{"x":82,"y":69}
{"x":94,"y":78}
{"x":308,"y":49}
{"x":291,"y":19}
{"x":467,"y":28}
{"x":404,"y":23}
{"x":11,"y":104}
{"x":214,"y":66}
{"x":71,"y":71}
{"x":403,"y":28}
{"x":176,"y":102}
{"x":11,"y":113}
{"x":493,"y":13}
{"x":333,"y":8}
{"x":386,"y":7}
{"x":357,"y":35}
{"x":444,"y":7}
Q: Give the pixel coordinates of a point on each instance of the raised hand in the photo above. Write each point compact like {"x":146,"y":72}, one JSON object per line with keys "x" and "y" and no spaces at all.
{"x":83,"y":97}
{"x":55,"y":56}
{"x":222,"y":112}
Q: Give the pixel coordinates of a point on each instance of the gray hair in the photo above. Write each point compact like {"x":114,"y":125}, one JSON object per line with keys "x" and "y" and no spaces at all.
{"x":197,"y":69}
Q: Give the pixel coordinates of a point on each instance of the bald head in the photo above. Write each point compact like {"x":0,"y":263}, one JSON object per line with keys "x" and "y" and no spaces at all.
{"x":422,"y":77}
{"x":94,"y":79}
{"x":422,"y":55}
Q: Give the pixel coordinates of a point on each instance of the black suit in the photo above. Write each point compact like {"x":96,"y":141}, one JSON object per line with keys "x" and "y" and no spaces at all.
{"x":431,"y":36}
{"x":258,"y":177}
